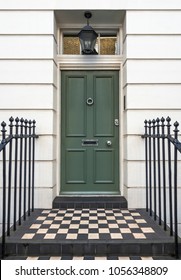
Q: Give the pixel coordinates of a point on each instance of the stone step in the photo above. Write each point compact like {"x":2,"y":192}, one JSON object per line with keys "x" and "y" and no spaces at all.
{"x":106,"y":202}
{"x":93,"y":232}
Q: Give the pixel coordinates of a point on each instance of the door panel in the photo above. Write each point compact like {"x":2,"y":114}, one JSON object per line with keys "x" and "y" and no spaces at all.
{"x":104,"y":166}
{"x":89,"y":143}
{"x":104,"y":106}
{"x":75,"y":110}
{"x":76,"y":173}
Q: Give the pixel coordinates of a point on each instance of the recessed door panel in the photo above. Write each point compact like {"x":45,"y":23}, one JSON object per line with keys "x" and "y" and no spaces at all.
{"x":104,"y":166}
{"x":104,"y":106}
{"x":75,"y":110}
{"x":76,"y":166}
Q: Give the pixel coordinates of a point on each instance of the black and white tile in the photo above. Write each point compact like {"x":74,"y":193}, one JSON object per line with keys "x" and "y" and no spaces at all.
{"x":89,"y":224}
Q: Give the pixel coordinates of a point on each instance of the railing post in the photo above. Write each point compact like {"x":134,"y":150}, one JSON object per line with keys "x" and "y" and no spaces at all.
{"x":25,"y":166}
{"x":176,"y":124}
{"x":146,"y":161}
{"x":15,"y":171}
{"x":29,"y":170}
{"x":154,"y":169}
{"x":170,"y":176}
{"x":159,"y":171}
{"x":10,"y":175}
{"x":164,"y":173}
{"x":33,"y":163}
{"x":3,"y":124}
{"x":150,"y":167}
{"x":20,"y":167}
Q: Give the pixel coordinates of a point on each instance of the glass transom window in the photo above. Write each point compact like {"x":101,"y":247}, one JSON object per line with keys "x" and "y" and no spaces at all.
{"x":106,"y":44}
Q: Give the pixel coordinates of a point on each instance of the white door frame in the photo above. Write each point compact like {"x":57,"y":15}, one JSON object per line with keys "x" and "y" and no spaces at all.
{"x":79,"y":62}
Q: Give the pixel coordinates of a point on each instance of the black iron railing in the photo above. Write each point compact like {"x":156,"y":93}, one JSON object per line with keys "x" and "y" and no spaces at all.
{"x":161,"y":164}
{"x":17,"y":163}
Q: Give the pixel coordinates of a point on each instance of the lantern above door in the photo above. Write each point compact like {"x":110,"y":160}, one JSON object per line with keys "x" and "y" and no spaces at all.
{"x":88,"y":37}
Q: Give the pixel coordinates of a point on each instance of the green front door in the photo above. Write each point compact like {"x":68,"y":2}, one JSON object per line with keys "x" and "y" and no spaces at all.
{"x":89,"y":144}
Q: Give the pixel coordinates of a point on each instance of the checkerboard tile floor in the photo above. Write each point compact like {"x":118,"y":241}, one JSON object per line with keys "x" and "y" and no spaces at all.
{"x":89,"y":224}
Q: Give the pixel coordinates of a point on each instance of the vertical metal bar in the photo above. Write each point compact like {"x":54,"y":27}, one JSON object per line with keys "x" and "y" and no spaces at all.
{"x":170,"y":176}
{"x":159,"y":171}
{"x":150,"y":167}
{"x":3,"y":124}
{"x":164,"y":174}
{"x":33,"y":163}
{"x":25,"y":167}
{"x":154,"y":169}
{"x":146,"y":162}
{"x":15,"y":172}
{"x":20,"y":168}
{"x":10,"y":176}
{"x":176,"y":124}
{"x":29,"y":170}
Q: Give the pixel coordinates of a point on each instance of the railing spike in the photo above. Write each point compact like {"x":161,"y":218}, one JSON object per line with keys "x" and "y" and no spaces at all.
{"x":168,"y":119}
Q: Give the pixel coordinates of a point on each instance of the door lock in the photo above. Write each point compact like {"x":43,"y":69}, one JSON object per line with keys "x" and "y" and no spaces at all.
{"x":116,"y":122}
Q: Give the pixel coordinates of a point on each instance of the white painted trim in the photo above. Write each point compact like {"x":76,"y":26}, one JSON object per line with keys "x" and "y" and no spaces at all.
{"x":92,"y":62}
{"x":73,"y":62}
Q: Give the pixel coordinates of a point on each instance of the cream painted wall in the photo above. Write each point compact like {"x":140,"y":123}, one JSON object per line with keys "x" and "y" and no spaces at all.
{"x":152,"y":87}
{"x":28,"y":86}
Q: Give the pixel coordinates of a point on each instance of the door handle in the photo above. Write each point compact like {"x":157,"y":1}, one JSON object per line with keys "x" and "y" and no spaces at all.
{"x":109,"y":143}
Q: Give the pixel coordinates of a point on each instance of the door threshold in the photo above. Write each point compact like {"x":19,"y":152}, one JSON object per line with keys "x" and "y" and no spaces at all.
{"x":64,"y":194}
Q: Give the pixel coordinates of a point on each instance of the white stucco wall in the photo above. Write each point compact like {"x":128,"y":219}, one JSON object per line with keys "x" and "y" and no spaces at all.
{"x":28,"y":83}
{"x":152,"y":86}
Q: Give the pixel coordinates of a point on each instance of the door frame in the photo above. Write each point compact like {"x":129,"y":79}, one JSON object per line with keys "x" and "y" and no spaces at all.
{"x":89,"y":63}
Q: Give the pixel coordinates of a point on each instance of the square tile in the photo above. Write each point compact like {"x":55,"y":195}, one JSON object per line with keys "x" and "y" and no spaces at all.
{"x":71,"y":236}
{"x":135,"y":214}
{"x":111,"y":218}
{"x":59,"y":218}
{"x":66,"y":222}
{"x":118,"y":215}
{"x":104,"y":230}
{"x":35,"y":226}
{"x":128,"y":218}
{"x":74,"y":226}
{"x":121,"y":222}
{"x":28,"y":236}
{"x":125,"y":230}
{"x":54,"y":226}
{"x":83,"y":231}
{"x":84,"y":222}
{"x":93,"y":225}
{"x":147,"y":230}
{"x":100,"y":258}
{"x":123,"y":258}
{"x":50,"y":236}
{"x":76,"y":218}
{"x":133,"y":226}
{"x":140,"y":221}
{"x":52,"y":215}
{"x":77,"y":258}
{"x":93,"y":236}
{"x":62,"y":231}
{"x":48,"y":222}
{"x":116,"y":236}
{"x":41,"y":218}
{"x":113,"y":226}
{"x":46,"y":211}
{"x":139,"y":236}
{"x":42,"y":231}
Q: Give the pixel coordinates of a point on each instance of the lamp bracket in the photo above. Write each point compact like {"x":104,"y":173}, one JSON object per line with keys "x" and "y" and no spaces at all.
{"x":88,"y":15}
